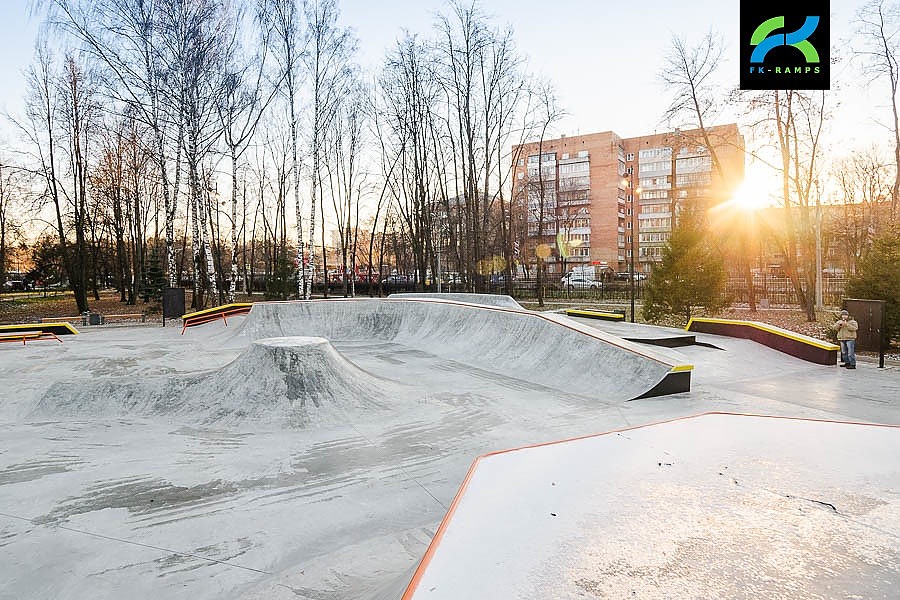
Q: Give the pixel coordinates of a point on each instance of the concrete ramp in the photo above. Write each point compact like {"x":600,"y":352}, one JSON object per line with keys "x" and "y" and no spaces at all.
{"x":286,"y":381}
{"x":501,"y":300}
{"x":514,"y":343}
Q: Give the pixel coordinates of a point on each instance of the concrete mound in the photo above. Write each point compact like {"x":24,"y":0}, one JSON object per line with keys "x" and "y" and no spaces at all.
{"x":515,"y":343}
{"x":286,"y":381}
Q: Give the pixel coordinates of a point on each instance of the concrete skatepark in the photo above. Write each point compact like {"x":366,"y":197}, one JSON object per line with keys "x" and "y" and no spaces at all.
{"x":313,"y":450}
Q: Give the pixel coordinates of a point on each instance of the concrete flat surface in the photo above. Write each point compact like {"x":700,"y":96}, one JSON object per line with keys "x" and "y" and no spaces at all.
{"x":717,"y":506}
{"x":178,"y":504}
{"x":640,"y":332}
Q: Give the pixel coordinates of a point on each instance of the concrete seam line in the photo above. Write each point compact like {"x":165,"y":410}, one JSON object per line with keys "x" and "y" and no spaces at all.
{"x":133,"y":543}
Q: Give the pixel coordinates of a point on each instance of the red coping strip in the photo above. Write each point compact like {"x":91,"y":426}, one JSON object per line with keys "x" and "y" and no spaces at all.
{"x":445,"y":523}
{"x":41,"y":335}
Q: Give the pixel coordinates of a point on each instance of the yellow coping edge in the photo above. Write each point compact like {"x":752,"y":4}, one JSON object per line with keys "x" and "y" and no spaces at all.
{"x":37,"y":327}
{"x":575,"y":311}
{"x":681,"y":368}
{"x":769,"y":329}
{"x":216,"y":308}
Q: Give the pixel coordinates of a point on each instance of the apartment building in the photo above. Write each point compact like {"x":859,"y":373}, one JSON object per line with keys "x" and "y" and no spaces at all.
{"x":584,"y":197}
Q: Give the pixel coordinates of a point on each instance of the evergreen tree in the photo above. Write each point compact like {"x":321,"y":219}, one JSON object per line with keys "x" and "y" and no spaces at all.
{"x":691,"y":276}
{"x":155,"y":279}
{"x":878,"y":278}
{"x":282,"y":281}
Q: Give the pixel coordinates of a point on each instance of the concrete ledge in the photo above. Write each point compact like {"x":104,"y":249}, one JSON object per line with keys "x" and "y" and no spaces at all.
{"x":795,"y":344}
{"x":595,"y":314}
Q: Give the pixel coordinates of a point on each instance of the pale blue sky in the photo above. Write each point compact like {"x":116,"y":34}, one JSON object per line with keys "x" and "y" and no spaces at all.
{"x":603,"y":55}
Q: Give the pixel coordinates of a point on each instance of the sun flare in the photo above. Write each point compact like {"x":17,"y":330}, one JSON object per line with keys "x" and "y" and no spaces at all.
{"x":752,"y":194}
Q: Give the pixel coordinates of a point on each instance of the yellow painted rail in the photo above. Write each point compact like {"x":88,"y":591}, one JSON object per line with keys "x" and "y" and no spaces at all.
{"x":213,"y":314}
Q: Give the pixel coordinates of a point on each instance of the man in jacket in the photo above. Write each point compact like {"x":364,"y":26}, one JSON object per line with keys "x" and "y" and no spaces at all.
{"x":846,"y":328}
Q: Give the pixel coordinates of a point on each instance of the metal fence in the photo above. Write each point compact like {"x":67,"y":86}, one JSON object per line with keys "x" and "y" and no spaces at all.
{"x":770,"y":291}
{"x":526,"y":289}
{"x":778,"y":291}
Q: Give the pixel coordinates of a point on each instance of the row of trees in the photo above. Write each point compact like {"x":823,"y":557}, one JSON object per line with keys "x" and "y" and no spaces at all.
{"x":140,"y":111}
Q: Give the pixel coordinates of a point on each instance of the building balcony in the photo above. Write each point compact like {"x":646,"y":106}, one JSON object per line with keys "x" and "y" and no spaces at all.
{"x":579,"y":202}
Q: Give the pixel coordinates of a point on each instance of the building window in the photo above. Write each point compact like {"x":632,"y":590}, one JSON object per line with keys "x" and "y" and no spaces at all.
{"x":521,"y":162}
{"x":655,"y":153}
{"x":693,"y":179}
{"x":582,"y":154}
{"x":653,"y":237}
{"x":578,"y":167}
{"x":629,"y":156}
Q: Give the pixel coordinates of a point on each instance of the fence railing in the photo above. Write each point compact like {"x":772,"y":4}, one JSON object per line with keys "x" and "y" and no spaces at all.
{"x":778,"y":291}
{"x":771,"y":291}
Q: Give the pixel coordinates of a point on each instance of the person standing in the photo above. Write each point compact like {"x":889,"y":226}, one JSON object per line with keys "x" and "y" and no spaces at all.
{"x":846,"y":328}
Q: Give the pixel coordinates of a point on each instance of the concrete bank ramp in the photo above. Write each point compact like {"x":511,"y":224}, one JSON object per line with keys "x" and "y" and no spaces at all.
{"x":501,"y":300}
{"x":515,"y":343}
{"x":285,"y":381}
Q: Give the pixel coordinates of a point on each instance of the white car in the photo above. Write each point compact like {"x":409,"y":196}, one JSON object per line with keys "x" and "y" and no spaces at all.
{"x":573,"y":281}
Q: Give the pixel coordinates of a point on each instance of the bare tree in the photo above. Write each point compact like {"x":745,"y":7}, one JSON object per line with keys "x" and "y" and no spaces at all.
{"x":343,"y":148}
{"x":139,"y":47}
{"x":327,"y":59}
{"x":241,"y":106}
{"x":12,"y":180}
{"x":688,"y":74}
{"x":878,"y":28}
{"x":795,"y":120}
{"x":546,"y":114}
{"x":409,"y":101}
{"x":864,"y":182}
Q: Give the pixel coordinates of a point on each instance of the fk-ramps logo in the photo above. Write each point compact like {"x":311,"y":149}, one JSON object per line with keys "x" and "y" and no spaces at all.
{"x":785,"y":49}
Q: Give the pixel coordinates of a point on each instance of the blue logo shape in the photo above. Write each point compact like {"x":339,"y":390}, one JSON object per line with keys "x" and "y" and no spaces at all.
{"x":764,"y":42}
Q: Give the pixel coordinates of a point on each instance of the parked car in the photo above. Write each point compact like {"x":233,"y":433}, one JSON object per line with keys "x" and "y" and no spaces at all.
{"x":574,"y":281}
{"x":623,"y":276}
{"x":17,"y":285}
{"x":396,"y":279}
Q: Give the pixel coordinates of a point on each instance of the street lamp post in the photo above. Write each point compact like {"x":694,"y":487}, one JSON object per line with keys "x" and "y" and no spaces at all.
{"x":629,"y":183}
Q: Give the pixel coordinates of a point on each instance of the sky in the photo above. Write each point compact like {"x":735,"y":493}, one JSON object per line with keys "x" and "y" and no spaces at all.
{"x":603,"y":57}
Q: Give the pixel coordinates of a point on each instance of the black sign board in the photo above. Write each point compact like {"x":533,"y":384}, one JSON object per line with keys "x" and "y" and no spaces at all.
{"x":870,"y":316}
{"x":173,"y":303}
